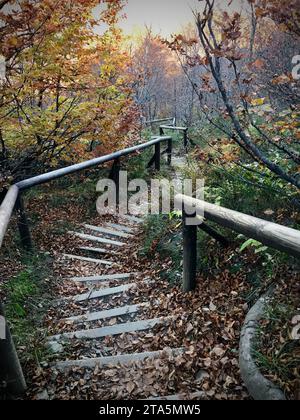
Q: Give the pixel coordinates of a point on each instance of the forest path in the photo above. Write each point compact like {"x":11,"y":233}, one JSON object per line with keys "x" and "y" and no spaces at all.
{"x":104,"y":321}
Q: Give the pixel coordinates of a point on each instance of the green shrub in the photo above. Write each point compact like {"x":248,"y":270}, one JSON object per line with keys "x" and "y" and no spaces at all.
{"x":163,"y":235}
{"x":27,"y":297}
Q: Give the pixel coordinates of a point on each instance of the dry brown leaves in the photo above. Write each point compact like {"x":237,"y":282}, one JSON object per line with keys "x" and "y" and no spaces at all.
{"x":206,"y":323}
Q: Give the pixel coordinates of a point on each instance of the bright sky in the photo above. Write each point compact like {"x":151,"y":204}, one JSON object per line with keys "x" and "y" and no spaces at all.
{"x":164,"y":16}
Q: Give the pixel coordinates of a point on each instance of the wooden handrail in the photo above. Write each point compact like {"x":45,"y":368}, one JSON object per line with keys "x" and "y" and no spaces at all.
{"x":9,"y":202}
{"x":171,"y":127}
{"x":159,"y":121}
{"x":268,"y":233}
{"x":174,"y":128}
{"x":6,"y":210}
{"x":50,"y":176}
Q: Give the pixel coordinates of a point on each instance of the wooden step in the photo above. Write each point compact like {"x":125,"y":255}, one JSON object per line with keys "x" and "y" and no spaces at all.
{"x":111,"y":313}
{"x":106,"y":277}
{"x":98,"y":294}
{"x":97,"y":250}
{"x":86,"y":259}
{"x":117,"y":329}
{"x":97,"y":239}
{"x":122,"y":359}
{"x":108,"y":232}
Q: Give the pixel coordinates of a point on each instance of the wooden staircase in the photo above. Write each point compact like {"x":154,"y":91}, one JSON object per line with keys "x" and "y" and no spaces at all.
{"x":115,"y":239}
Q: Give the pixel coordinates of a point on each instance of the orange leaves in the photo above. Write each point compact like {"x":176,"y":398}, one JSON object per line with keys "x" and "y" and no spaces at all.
{"x":258,"y":64}
{"x":180,"y":43}
{"x":14,"y":41}
{"x":207,"y":85}
{"x":231,"y":27}
{"x":283,"y":79}
{"x":260,"y":12}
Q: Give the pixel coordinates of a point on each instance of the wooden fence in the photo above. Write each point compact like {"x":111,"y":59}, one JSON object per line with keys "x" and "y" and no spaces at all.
{"x":270,"y":234}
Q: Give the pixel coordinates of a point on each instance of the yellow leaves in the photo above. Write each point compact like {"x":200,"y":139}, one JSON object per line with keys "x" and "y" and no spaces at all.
{"x":258,"y":101}
{"x":14,"y":41}
{"x":294,"y":124}
{"x":279,"y":123}
{"x":287,"y":125}
{"x":107,"y":69}
{"x":295,"y":115}
{"x":230,"y":152}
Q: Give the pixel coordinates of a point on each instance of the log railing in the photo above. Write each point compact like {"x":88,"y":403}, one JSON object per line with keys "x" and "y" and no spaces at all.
{"x":157,"y":121}
{"x":270,"y":234}
{"x":13,"y":198}
{"x":184,"y":130}
{"x":10,"y":369}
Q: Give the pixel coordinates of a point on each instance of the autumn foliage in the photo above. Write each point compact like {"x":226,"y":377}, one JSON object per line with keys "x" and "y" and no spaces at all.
{"x":66,"y":95}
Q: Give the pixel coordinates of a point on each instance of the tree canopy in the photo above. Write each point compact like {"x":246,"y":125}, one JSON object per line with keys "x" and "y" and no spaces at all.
{"x":66,"y":92}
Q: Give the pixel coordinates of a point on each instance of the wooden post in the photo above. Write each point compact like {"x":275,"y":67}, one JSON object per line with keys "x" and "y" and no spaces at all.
{"x":157,"y":157}
{"x":170,"y":149}
{"x":23,"y":225}
{"x":170,"y":146}
{"x":189,"y":254}
{"x":185,"y":139}
{"x":11,"y":374}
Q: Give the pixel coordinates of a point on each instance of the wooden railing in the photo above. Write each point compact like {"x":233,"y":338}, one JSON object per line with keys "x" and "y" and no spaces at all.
{"x":270,"y":234}
{"x":10,"y":368}
{"x":13,"y":199}
{"x":163,"y":128}
{"x":158,"y":121}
